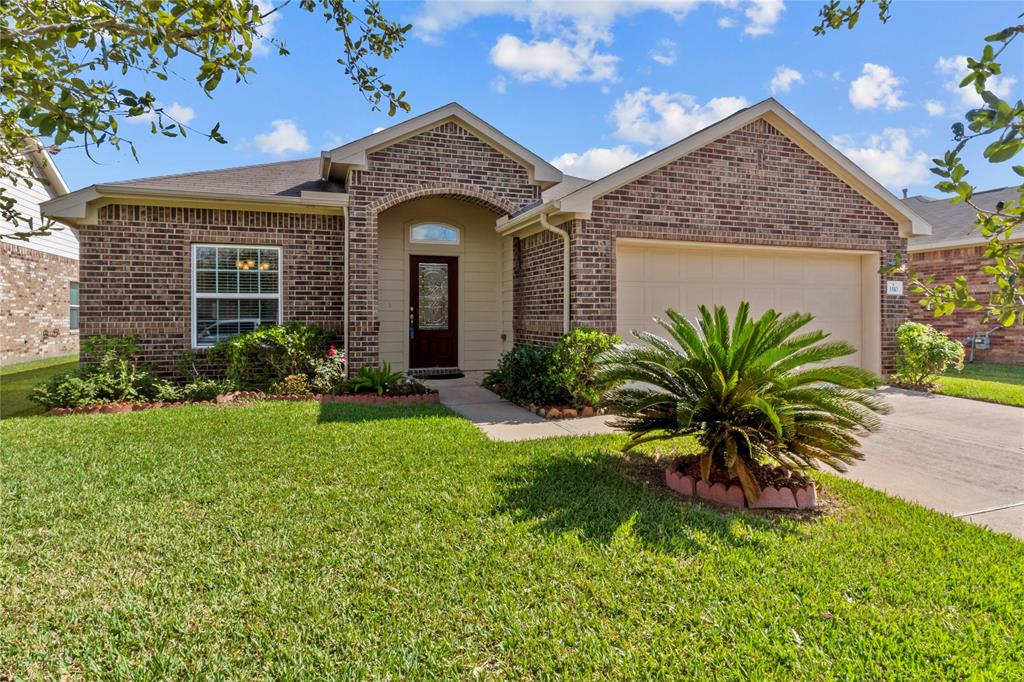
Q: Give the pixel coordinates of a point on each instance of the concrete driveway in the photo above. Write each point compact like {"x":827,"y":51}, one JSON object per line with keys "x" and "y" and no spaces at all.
{"x":961,"y":457}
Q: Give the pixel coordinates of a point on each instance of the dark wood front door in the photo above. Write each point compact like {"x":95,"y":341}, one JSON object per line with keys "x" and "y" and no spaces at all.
{"x":433,"y":311}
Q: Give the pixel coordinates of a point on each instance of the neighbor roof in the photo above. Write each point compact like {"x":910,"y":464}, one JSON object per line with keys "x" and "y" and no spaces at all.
{"x":953,"y":224}
{"x":284,"y":178}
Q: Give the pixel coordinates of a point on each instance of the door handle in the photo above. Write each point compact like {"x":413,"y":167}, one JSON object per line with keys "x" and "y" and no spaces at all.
{"x":412,"y":323}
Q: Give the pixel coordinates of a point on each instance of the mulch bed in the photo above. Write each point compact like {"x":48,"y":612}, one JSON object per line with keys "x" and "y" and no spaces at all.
{"x":248,"y":396}
{"x":553,"y":411}
{"x":764,"y":475}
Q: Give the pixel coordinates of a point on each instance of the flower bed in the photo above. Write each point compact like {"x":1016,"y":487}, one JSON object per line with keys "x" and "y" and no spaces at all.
{"x":565,"y":411}
{"x":238,"y":396}
{"x":782,"y":491}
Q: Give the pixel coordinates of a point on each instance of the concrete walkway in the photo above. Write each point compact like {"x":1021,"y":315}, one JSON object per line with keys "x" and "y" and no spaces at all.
{"x":501,"y":420}
{"x":962,"y":457}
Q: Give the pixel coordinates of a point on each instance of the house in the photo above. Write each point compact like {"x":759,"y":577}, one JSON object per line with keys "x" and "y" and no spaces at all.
{"x":440,"y":242}
{"x":956,"y":248}
{"x":38,"y":277}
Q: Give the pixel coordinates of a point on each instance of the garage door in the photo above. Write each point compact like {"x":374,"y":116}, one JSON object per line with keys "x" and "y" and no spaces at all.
{"x":652,"y":278}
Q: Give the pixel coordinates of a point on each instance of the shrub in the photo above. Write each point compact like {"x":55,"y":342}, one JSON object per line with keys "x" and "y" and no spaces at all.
{"x":329,"y":372}
{"x":407,"y":386}
{"x":264,"y":356}
{"x":752,"y":393}
{"x":925,"y":353}
{"x":205,"y":389}
{"x":110,"y":373}
{"x":524,"y":376}
{"x":293,"y":384}
{"x":574,"y":363}
{"x":377,"y":380}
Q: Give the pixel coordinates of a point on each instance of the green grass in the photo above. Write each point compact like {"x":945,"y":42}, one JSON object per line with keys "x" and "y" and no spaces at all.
{"x":992,"y":383}
{"x":290,"y":540}
{"x":17,"y":380}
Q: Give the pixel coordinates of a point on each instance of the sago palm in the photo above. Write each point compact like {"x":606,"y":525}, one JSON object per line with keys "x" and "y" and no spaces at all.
{"x":752,"y":392}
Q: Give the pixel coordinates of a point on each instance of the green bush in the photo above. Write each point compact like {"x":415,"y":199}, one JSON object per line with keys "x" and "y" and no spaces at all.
{"x":109,"y":373}
{"x":925,"y":353}
{"x":204,"y":389}
{"x":374,"y":379}
{"x":329,"y":372}
{"x":524,"y":376}
{"x":753,"y":392}
{"x":264,"y":356}
{"x":293,"y":384}
{"x":574,"y":363}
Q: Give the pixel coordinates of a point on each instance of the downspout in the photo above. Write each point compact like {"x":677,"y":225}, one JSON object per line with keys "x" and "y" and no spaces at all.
{"x":565,"y":268}
{"x":344,"y":292}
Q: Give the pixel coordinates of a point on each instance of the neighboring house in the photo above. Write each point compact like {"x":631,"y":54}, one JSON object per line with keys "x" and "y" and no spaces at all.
{"x":956,"y":248}
{"x":38,"y":277}
{"x":440,"y":242}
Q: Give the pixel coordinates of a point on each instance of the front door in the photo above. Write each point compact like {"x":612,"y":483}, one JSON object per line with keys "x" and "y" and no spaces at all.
{"x":433,"y":312}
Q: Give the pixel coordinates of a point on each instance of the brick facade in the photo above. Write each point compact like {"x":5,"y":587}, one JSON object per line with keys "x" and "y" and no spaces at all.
{"x":1007,"y":344}
{"x":537,"y":289}
{"x":35,"y":304}
{"x":448,"y":161}
{"x":136,"y":267}
{"x":754,"y":186}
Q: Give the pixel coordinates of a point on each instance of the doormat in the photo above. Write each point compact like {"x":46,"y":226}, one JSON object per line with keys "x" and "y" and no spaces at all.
{"x":438,"y":376}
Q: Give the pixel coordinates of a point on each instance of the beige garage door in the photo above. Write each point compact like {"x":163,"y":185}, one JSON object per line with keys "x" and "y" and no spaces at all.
{"x":652,"y":278}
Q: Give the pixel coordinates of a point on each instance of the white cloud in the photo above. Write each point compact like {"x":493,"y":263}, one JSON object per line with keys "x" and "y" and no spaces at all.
{"x":499,"y":85}
{"x":378,"y":129}
{"x":887,"y":157}
{"x":178,"y":112}
{"x":877,"y":87}
{"x":664,"y":117}
{"x":956,"y":68}
{"x":726,"y":22}
{"x":763,"y":15}
{"x":934,"y":108}
{"x":552,"y":60}
{"x":665,"y":53}
{"x":286,"y":137}
{"x":784,"y":79}
{"x":261,"y":46}
{"x":597,"y":162}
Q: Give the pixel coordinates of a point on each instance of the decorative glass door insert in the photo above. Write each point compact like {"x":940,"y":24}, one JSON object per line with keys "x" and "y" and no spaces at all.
{"x":433,"y":296}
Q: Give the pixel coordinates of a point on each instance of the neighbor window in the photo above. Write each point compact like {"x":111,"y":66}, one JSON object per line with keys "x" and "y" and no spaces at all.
{"x":235,"y":289}
{"x":434,"y":233}
{"x":73,"y":316}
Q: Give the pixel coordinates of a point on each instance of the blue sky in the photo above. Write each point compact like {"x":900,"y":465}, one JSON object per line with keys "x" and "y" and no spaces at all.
{"x":593,"y":86}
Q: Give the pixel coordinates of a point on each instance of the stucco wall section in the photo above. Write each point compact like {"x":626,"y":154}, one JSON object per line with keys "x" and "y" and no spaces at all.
{"x":754,"y":186}
{"x":35,"y":304}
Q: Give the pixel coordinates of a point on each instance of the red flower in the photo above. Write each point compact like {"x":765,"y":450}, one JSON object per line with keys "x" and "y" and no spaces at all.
{"x":330,"y":353}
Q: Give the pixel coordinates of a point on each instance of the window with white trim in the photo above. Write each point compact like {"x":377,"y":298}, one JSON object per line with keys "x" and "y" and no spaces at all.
{"x":235,"y":289}
{"x":73,"y":311}
{"x":434,"y":233}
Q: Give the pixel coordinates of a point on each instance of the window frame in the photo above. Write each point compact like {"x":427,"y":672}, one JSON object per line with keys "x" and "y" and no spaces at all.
{"x":195,"y":295}
{"x":74,"y":307}
{"x":434,"y":242}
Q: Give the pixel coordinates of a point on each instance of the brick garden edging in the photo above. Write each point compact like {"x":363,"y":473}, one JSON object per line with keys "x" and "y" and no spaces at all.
{"x":361,"y":398}
{"x":804,"y":497}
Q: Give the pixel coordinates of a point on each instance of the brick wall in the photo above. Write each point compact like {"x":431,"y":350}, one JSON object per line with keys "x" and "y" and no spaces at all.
{"x":444,"y":161}
{"x":35,"y":304}
{"x":136,"y":270}
{"x":753,"y":186}
{"x":946,"y":265}
{"x":537,"y":289}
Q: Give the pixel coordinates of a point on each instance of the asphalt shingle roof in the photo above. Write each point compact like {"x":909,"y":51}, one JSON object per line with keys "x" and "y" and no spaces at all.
{"x":952,"y":223}
{"x":284,"y":178}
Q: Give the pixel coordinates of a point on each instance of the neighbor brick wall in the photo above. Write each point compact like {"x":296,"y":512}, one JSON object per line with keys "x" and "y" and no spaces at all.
{"x":945,"y":265}
{"x":537,"y":289}
{"x":35,"y":304}
{"x":446,"y":160}
{"x":754,"y":186}
{"x":136,"y":270}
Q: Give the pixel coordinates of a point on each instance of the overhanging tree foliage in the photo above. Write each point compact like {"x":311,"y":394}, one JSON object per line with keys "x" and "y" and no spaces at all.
{"x":999,"y":123}
{"x":65,"y":63}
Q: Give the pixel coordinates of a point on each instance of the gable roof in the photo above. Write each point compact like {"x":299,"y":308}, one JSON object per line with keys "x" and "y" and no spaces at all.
{"x":580,"y":201}
{"x":353,"y":154}
{"x":953,"y":224}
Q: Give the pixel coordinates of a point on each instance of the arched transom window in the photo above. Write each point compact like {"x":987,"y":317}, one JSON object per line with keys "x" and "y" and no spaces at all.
{"x":434,"y":233}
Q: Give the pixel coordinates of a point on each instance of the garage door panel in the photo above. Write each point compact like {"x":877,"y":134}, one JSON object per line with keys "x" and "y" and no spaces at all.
{"x":653,"y":278}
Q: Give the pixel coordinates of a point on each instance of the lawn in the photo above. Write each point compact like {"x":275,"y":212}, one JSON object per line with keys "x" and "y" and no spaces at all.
{"x":290,"y":540}
{"x":17,"y":380}
{"x":992,"y":383}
